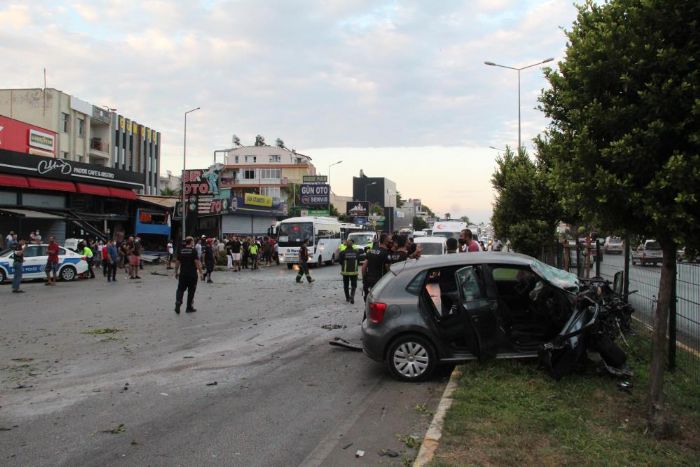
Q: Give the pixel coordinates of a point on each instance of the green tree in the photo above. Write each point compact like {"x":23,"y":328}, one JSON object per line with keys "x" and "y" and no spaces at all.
{"x":399,"y":201}
{"x":624,"y":138}
{"x":419,"y":224}
{"x":260,"y":140}
{"x":167,"y":191}
{"x":377,"y":209}
{"x":448,"y":215}
{"x":526,"y":210}
{"x":427,"y":210}
{"x":465,"y":219}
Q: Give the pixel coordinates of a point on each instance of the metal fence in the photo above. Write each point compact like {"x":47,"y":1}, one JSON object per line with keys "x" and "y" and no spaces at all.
{"x":642,"y":282}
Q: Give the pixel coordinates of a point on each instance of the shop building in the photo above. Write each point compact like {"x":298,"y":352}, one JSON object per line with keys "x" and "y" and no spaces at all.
{"x":85,"y":133}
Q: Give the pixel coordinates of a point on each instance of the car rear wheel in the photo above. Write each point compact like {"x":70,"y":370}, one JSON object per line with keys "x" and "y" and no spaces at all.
{"x":68,"y":273}
{"x":3,"y":276}
{"x":411,"y":358}
{"x":320,"y":261}
{"x":332,"y":261}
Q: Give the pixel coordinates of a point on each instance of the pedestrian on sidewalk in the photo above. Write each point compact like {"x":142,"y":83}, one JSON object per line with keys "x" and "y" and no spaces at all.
{"x":187,"y":270}
{"x":17,"y":262}
{"x":304,"y":262}
{"x":349,"y":268}
{"x":171,"y":252}
{"x":236,"y":253}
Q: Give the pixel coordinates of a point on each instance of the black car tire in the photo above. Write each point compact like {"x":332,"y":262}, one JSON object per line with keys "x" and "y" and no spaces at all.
{"x":411,"y":358}
{"x":332,"y":261}
{"x":68,"y":273}
{"x":320,"y":261}
{"x":3,"y":276}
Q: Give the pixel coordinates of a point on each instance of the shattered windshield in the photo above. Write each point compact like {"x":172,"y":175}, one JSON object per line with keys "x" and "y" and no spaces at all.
{"x":557,"y":277}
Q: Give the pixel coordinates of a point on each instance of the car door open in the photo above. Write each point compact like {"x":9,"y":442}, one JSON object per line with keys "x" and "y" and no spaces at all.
{"x":480,"y":313}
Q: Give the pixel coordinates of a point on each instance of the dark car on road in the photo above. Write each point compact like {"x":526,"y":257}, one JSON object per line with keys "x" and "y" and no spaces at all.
{"x":461,"y":307}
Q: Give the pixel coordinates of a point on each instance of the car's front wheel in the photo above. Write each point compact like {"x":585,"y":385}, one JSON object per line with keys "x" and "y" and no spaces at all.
{"x":68,"y":273}
{"x":3,"y":276}
{"x":411,"y":358}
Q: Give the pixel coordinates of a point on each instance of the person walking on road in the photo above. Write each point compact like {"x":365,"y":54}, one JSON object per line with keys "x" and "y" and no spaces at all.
{"x":51,"y":268}
{"x":89,"y":257}
{"x":304,"y":263}
{"x":17,"y":262}
{"x":171,"y":252}
{"x":236,"y":253}
{"x":467,"y":244}
{"x":208,"y":254}
{"x":112,"y":261}
{"x":349,"y":268}
{"x":187,"y":270}
{"x":253,"y":251}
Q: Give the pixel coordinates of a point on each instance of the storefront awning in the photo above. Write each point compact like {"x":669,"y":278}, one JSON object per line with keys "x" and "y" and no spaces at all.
{"x":54,"y":185}
{"x":28,"y":213}
{"x":15,"y":181}
{"x":122,"y":193}
{"x":89,"y":189}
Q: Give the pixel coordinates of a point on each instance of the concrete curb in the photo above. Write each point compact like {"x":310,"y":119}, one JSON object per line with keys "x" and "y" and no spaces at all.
{"x":432,"y":436}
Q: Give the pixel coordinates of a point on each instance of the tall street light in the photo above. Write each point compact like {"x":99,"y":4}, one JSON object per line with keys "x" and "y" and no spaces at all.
{"x":518,"y":70}
{"x":184,"y":166}
{"x":329,"y":185}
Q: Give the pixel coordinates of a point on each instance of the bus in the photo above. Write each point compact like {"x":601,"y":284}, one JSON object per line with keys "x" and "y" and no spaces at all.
{"x":348,"y":228}
{"x":153,"y":227}
{"x":323,"y":234}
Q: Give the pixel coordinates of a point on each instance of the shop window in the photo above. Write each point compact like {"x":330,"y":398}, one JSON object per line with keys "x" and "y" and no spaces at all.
{"x":8,"y":198}
{"x":44,"y":201}
{"x":81,"y":127}
{"x":65,"y":120}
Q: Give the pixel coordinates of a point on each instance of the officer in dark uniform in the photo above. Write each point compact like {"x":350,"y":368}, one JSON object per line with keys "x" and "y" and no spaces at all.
{"x":349,"y":268}
{"x":304,"y":262}
{"x":187,"y":270}
{"x":375,"y":264}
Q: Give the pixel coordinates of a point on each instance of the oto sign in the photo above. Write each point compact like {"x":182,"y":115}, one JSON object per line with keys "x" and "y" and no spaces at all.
{"x":315,"y":195}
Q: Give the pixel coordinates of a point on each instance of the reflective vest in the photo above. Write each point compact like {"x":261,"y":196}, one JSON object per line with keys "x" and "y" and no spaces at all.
{"x":350,"y":261}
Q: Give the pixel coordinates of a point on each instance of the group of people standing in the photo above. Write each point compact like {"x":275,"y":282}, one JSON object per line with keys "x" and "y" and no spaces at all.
{"x":249,"y":252}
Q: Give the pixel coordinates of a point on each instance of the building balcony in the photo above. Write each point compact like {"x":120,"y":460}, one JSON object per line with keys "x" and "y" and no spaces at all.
{"x":99,"y":149}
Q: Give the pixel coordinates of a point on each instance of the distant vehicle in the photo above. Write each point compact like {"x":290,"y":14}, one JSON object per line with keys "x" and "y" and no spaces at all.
{"x":428,"y":232}
{"x":72,"y":243}
{"x":70,"y":263}
{"x":323,"y":234}
{"x":348,"y":228}
{"x":431,"y":246}
{"x":448,"y":229}
{"x":648,"y":252}
{"x":363,"y":240}
{"x":420,"y":233}
{"x":614,"y":245}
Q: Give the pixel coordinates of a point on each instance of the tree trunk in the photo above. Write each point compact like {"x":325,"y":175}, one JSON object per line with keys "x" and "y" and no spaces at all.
{"x":657,"y":422}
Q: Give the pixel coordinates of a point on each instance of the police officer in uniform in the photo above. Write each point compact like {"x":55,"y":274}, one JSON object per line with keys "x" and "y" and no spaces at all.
{"x":187,"y":270}
{"x":375,"y":264}
{"x":349,"y":268}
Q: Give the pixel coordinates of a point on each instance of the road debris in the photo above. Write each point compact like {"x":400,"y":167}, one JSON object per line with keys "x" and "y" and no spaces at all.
{"x":213,"y":383}
{"x":100,"y":331}
{"x":388,"y":453}
{"x":116,"y":430}
{"x":333,"y":326}
{"x":340,"y":342}
{"x":347,"y":445}
{"x":359,"y":453}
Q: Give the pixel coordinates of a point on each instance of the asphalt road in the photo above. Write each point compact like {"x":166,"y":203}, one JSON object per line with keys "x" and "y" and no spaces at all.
{"x":247,"y":380}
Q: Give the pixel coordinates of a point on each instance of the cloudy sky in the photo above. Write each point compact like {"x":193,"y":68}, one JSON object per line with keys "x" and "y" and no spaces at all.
{"x":396,"y":88}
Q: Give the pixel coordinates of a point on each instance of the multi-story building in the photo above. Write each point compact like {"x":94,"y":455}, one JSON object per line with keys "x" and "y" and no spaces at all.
{"x":88,"y":134}
{"x":70,"y":168}
{"x":170,"y":182}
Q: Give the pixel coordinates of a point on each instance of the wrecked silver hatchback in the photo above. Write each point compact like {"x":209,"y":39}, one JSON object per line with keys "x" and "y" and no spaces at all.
{"x":480,"y":306}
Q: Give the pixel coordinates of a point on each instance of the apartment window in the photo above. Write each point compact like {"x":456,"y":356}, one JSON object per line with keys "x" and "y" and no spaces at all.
{"x":251,"y":158}
{"x":270,"y":173}
{"x":81,"y":127}
{"x":298,"y":160}
{"x":64,"y":154}
{"x":65,"y":119}
{"x":274,"y":192}
{"x":275,"y":158}
{"x":249,"y":174}
{"x":236,"y":159}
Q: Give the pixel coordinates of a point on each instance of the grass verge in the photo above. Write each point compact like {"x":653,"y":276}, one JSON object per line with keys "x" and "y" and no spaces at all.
{"x":512,"y":413}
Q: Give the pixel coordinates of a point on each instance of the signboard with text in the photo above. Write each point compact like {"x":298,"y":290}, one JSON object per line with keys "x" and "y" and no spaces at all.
{"x":315,"y":195}
{"x":26,"y":138}
{"x":315,"y":179}
{"x":357,"y":208}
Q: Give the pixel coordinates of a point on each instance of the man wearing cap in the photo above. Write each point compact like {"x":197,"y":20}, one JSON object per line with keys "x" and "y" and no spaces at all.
{"x":349,"y":259}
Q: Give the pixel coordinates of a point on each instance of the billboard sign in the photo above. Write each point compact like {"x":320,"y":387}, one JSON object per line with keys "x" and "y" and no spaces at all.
{"x":315,"y":195}
{"x":357,"y":208}
{"x":315,"y":178}
{"x":25,"y":138}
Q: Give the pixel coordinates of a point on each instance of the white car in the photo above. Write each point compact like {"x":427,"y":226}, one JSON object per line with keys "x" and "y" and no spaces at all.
{"x":431,"y":246}
{"x":70,"y":264}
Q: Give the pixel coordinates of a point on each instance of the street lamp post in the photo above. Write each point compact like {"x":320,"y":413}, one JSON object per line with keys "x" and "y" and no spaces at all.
{"x":184,"y":166}
{"x":329,"y":185}
{"x":519,"y":70}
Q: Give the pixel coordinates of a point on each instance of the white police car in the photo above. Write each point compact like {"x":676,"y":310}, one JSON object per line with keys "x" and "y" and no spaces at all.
{"x":70,"y":264}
